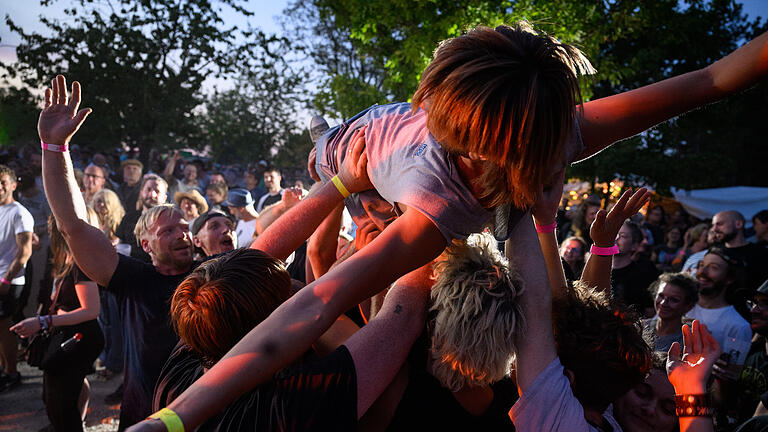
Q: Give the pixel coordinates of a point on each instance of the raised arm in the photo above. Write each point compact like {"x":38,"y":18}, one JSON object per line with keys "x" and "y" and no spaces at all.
{"x":614,"y":118}
{"x":408,"y":243}
{"x":535,"y":345}
{"x":597,"y":271}
{"x":58,"y":122}
{"x":544,"y":213}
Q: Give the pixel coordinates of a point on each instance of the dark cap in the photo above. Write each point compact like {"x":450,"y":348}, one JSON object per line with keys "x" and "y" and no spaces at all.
{"x":239,"y":198}
{"x":205,"y":217}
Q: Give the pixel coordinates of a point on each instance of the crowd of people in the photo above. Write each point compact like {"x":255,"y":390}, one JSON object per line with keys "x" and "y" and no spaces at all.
{"x":430,"y":278}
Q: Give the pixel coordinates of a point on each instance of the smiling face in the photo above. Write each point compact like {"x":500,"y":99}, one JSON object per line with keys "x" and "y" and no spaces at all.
{"x":649,"y":406}
{"x":153,"y":193}
{"x":217,"y":235}
{"x":712,"y":275}
{"x":7,"y":186}
{"x":572,"y":251}
{"x":670,"y":302}
{"x":189,"y":208}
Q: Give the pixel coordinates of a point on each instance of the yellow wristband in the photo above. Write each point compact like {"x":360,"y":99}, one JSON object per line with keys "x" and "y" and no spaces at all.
{"x":170,"y":419}
{"x":340,"y":186}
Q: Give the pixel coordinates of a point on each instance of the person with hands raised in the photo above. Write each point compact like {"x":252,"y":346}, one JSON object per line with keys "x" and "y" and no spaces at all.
{"x":689,"y":368}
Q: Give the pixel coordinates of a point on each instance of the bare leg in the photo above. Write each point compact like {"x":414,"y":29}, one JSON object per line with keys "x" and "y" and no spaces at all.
{"x":82,"y":400}
{"x":8,"y":347}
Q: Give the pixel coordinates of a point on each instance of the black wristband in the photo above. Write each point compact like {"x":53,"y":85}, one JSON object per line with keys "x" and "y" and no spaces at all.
{"x":693,"y":405}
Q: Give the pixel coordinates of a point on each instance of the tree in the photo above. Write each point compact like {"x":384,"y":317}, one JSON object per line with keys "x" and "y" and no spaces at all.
{"x":18,"y":116}
{"x":630,"y":42}
{"x":142,"y":65}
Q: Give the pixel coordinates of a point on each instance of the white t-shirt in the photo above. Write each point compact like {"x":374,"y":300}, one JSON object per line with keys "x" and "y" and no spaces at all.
{"x":728,"y":328}
{"x":244,"y":231}
{"x":14,"y":219}
{"x":549,"y":405}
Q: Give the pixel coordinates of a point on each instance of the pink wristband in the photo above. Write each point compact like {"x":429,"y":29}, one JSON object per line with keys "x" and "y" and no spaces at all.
{"x":546,"y":228}
{"x":597,"y":250}
{"x":4,"y":280}
{"x":54,"y":147}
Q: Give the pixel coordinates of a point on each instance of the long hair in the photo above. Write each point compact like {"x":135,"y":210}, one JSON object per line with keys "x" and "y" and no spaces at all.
{"x":109,"y":221}
{"x":475,"y":302}
{"x":508,"y":94}
{"x":61,"y":258}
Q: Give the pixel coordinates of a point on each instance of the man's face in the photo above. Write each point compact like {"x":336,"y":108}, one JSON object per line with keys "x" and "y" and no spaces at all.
{"x":624,"y":241}
{"x":591,"y":213}
{"x":190,"y":172}
{"x":153,"y":193}
{"x":759,"y":314}
{"x":572,"y":251}
{"x":250,"y":181}
{"x":189,"y":208}
{"x":724,"y":227}
{"x":93,"y":179}
{"x":217,"y":178}
{"x":214,"y":196}
{"x":272,"y":180}
{"x":712,"y":275}
{"x":169,"y":240}
{"x":217,"y":235}
{"x":36,"y":163}
{"x":131,"y":174}
{"x":761,"y":229}
{"x":237,"y":212}
{"x":7,"y":186}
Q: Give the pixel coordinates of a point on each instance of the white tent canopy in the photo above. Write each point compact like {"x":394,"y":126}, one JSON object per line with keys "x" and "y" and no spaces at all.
{"x":704,"y":203}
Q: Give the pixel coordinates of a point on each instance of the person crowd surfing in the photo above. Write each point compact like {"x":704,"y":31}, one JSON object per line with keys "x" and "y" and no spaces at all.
{"x":495,"y":120}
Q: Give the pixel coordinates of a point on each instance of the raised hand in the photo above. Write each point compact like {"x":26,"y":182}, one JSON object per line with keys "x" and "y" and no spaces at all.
{"x":354,"y":170}
{"x":60,"y":118}
{"x":689,"y":373}
{"x":607,"y":224}
{"x":291,"y":197}
{"x":365,"y":234}
{"x":548,"y":200}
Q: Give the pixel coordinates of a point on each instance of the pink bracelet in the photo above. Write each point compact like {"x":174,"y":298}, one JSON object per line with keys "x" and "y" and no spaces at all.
{"x":544,"y":229}
{"x":604,"y":251}
{"x":4,"y":280}
{"x":54,"y":147}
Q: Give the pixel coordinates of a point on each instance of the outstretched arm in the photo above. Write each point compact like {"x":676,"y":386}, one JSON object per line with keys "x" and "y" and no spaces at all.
{"x":617,"y":117}
{"x":535,"y":345}
{"x":58,"y":122}
{"x":544,"y":213}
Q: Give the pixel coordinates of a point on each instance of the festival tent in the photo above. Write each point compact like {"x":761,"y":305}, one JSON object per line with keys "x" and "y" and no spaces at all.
{"x":704,"y":203}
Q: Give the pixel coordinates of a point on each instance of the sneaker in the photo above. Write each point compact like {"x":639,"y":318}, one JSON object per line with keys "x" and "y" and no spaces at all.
{"x":317,"y":127}
{"x":115,"y":397}
{"x":9,"y":381}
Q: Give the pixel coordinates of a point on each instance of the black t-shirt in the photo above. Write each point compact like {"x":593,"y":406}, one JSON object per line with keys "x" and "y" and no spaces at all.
{"x":752,"y":386}
{"x":313,"y":394}
{"x":144,"y":296}
{"x":755,"y":258}
{"x":427,"y":405}
{"x":630,"y":284}
{"x":66,"y":296}
{"x":128,"y":195}
{"x":126,"y":235}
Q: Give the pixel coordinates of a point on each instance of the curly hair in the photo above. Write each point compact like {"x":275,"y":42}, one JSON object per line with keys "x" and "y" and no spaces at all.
{"x":601,"y":342}
{"x":226,"y":297}
{"x":684,"y":281}
{"x":507,"y":93}
{"x":476,"y":313}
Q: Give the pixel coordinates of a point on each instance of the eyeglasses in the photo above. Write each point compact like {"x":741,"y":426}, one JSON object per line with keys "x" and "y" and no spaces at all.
{"x":762,"y":304}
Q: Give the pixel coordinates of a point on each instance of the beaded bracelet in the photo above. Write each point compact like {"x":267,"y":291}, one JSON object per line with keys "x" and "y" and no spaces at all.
{"x":693,"y":405}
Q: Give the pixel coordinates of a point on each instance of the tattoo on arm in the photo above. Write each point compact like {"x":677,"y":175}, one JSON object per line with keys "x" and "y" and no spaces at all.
{"x":398,"y":309}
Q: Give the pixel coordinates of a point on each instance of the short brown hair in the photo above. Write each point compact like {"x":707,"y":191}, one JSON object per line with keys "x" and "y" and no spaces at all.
{"x":226,"y":297}
{"x":601,"y":343}
{"x":508,"y":94}
{"x":6,"y":170}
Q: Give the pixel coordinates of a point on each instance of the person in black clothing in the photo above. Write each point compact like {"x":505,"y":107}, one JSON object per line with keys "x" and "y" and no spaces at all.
{"x":728,"y":227}
{"x":143,"y":290}
{"x":630,"y":279}
{"x":74,"y":310}
{"x":129,"y":189}
{"x":760,"y":223}
{"x":154,"y":191}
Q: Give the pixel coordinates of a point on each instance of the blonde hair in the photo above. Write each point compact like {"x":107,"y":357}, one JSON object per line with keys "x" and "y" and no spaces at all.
{"x":476,"y":314}
{"x":111,"y":220}
{"x":148,"y":219}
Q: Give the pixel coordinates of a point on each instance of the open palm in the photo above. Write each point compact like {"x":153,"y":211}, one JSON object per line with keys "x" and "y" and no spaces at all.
{"x":607,"y":224}
{"x":60,"y":118}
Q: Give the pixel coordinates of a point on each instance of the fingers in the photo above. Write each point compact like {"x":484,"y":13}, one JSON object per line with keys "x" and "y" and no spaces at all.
{"x":61,"y":85}
{"x":638,"y":200}
{"x":687,"y":339}
{"x":362,"y":164}
{"x":710,"y":343}
{"x":674,"y":353}
{"x":357,"y":144}
{"x":74,"y":102}
{"x":600,"y":218}
{"x":81,"y":116}
{"x":48,"y":97}
{"x":696,"y":339}
{"x":622,"y":202}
